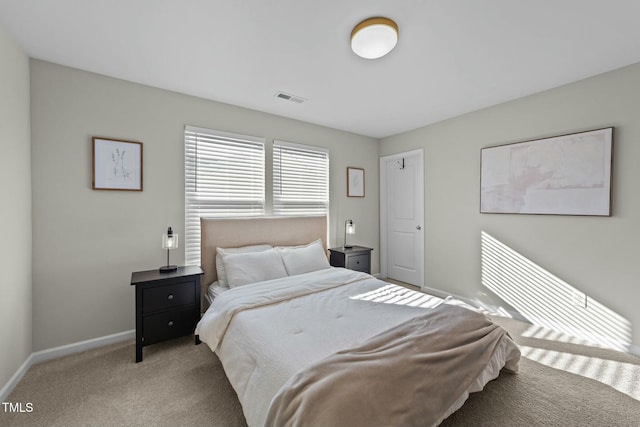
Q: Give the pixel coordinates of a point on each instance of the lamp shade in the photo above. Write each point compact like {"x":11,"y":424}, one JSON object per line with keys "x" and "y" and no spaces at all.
{"x":170,"y":240}
{"x":374,"y":37}
{"x":350,"y":227}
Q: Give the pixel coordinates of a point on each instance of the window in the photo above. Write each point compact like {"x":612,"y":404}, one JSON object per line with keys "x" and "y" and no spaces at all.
{"x":224,"y":176}
{"x":300,"y":179}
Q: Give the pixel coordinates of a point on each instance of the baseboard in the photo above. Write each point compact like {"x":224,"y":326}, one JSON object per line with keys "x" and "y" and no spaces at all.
{"x":15,"y":379}
{"x":56,"y":352}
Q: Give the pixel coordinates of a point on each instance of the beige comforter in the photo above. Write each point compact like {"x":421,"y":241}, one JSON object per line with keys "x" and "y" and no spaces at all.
{"x":407,"y":376}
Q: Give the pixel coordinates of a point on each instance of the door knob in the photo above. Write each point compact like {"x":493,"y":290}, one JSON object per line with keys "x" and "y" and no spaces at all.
{"x":418,"y":227}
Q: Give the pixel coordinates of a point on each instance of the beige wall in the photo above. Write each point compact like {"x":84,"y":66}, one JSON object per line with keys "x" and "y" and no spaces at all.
{"x":15,"y":214}
{"x":87,"y":243}
{"x":596,"y":255}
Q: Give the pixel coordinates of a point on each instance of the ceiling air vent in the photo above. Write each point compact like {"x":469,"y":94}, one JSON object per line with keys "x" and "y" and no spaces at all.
{"x":289,"y":97}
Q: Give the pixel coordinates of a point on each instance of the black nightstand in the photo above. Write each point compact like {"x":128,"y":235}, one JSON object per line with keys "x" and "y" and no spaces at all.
{"x":167,"y":305}
{"x":355,"y":258}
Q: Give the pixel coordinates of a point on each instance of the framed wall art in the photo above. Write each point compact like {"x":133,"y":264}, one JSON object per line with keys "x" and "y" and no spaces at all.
{"x":117,"y":164}
{"x":355,"y":182}
{"x":561,"y":175}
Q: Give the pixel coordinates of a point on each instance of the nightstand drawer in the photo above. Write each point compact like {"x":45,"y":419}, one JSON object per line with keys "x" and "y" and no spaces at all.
{"x":169,"y":296}
{"x":170,"y":324}
{"x":358,"y":262}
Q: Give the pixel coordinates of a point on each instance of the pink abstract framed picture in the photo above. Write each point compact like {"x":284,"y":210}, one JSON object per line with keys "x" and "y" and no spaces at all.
{"x":561,"y":175}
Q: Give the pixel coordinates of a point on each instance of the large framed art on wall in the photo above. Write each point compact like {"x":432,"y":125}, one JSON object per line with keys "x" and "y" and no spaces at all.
{"x":561,"y":175}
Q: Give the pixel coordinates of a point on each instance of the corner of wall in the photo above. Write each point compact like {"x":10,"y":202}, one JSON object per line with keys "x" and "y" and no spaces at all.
{"x":15,"y":184}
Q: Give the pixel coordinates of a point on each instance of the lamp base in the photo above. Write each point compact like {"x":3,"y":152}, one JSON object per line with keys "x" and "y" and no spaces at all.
{"x":168,"y":268}
{"x":347,"y":247}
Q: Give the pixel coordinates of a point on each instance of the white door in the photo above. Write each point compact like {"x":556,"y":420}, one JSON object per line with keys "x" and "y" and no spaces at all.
{"x":402,"y":216}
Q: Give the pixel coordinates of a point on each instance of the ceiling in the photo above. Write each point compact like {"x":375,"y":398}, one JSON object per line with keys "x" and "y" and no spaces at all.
{"x":453,"y":56}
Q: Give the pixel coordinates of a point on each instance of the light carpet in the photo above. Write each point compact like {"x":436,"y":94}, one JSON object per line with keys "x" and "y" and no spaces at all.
{"x":181,"y":384}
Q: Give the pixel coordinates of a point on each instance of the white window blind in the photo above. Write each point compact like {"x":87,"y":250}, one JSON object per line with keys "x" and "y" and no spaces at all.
{"x":224,"y":176}
{"x":300,"y":179}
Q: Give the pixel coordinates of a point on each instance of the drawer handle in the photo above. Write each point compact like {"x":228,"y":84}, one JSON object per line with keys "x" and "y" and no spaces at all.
{"x":170,"y":297}
{"x":357,"y":262}
{"x":170,"y":322}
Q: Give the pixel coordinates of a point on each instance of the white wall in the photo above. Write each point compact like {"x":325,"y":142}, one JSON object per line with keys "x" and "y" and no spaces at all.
{"x":596,"y":255}
{"x":87,"y":243}
{"x":15,"y":214}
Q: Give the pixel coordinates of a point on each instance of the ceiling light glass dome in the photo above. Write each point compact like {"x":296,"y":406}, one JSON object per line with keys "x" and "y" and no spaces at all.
{"x":374,"y":37}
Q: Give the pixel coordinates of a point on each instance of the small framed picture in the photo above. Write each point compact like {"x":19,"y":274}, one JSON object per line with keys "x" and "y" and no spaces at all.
{"x":355,"y":182}
{"x":117,"y":164}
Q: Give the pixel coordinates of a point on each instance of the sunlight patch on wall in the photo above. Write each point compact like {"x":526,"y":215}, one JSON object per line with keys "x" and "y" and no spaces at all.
{"x":546,"y":300}
{"x":623,"y":377}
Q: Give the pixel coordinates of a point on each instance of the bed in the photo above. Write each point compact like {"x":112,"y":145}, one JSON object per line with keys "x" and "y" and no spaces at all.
{"x":333,"y":346}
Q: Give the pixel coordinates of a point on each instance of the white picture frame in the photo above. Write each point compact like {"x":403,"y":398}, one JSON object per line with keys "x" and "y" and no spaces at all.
{"x":116,"y":164}
{"x":561,"y":175}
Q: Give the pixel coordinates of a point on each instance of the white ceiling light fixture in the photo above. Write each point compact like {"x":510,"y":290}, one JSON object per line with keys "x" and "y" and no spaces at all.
{"x":374,"y":37}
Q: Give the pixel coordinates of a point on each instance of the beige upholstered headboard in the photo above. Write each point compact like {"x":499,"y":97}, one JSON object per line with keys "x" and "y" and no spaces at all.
{"x":235,"y":232}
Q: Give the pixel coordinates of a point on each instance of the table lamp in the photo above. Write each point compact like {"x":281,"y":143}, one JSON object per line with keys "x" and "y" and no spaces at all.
{"x":169,"y":241}
{"x":349,"y":228}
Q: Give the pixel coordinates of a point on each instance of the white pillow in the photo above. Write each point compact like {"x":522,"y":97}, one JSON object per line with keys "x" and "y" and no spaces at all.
{"x":252,"y":267}
{"x":304,"y":259}
{"x":222,"y":252}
